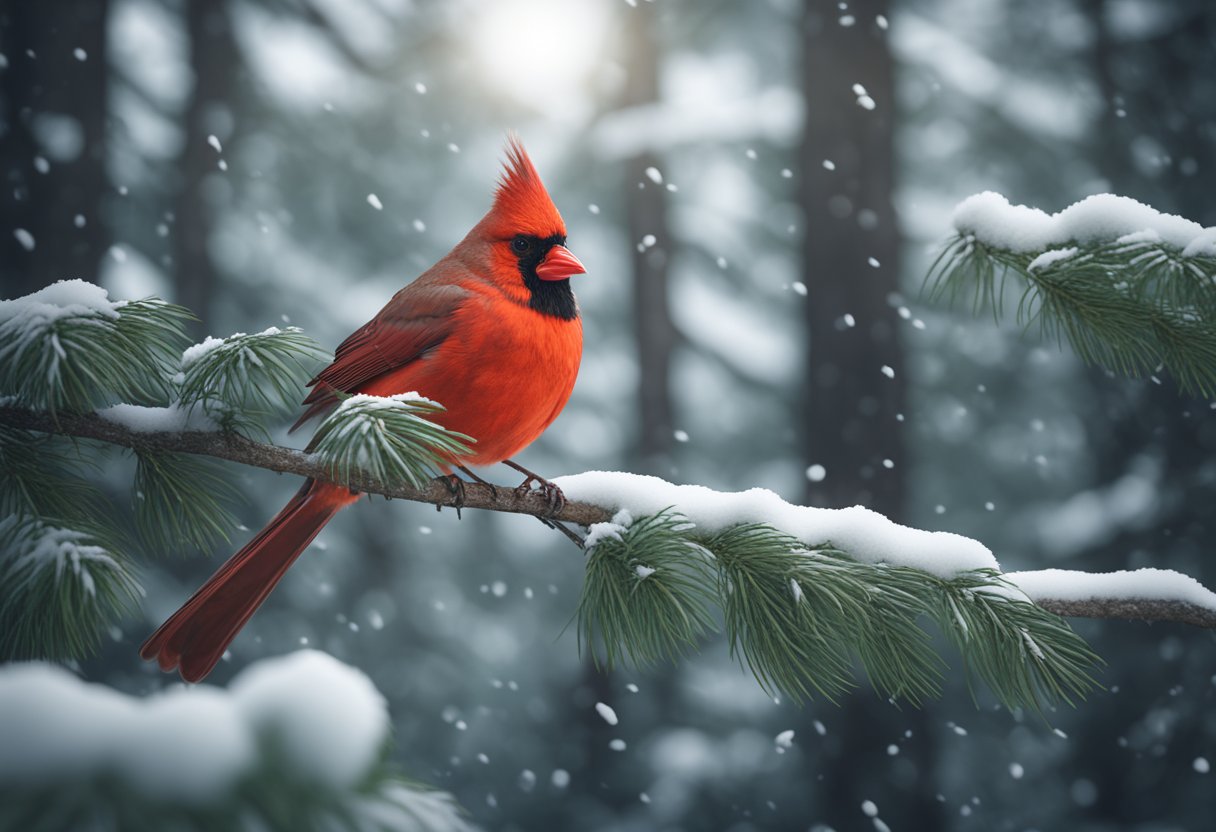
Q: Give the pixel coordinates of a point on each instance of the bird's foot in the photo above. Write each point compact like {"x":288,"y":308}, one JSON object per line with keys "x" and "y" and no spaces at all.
{"x":553,"y":495}
{"x":455,"y":487}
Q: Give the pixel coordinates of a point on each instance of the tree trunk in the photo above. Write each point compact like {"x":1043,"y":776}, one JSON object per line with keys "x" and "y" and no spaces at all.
{"x":53,"y":95}
{"x":647,"y":215}
{"x":212,"y":56}
{"x":854,"y":393}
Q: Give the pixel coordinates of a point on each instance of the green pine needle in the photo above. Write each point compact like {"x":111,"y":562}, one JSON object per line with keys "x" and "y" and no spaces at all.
{"x":243,"y":379}
{"x":42,"y":478}
{"x":646,"y":592}
{"x":82,"y":359}
{"x":1129,"y":306}
{"x":178,"y":502}
{"x":1028,"y":656}
{"x":796,"y":617}
{"x":59,"y":588}
{"x":389,"y":438}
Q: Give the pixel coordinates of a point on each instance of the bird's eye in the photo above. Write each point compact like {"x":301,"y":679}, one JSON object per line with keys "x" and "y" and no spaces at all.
{"x":521,"y":243}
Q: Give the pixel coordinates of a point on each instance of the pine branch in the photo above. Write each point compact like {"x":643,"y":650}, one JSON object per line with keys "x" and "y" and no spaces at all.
{"x":236,"y":448}
{"x":1130,"y":289}
{"x":1132,"y":609}
{"x":69,"y":347}
{"x":60,"y":587}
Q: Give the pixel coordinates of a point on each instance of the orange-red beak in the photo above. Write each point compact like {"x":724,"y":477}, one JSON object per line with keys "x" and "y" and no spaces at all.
{"x":559,"y":264}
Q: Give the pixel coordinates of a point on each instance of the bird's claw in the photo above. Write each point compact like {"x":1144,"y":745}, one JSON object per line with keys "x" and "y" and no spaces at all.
{"x":455,"y":486}
{"x":553,"y":495}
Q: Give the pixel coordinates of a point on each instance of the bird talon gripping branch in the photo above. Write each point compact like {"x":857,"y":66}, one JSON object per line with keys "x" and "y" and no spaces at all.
{"x":461,"y":335}
{"x":455,"y":486}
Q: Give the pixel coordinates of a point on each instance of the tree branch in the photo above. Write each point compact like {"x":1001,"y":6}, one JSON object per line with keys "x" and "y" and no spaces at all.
{"x":1128,"y":609}
{"x":237,"y":448}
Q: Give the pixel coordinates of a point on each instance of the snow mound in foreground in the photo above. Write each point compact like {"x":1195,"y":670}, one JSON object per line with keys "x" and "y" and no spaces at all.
{"x":304,"y":719}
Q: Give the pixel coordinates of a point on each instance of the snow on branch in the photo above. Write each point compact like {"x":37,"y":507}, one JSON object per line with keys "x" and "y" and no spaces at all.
{"x":294,"y":743}
{"x":1140,"y":594}
{"x":597,"y":497}
{"x":1132,"y":289}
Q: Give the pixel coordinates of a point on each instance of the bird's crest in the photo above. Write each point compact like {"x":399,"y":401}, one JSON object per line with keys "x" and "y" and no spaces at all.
{"x":521,"y":201}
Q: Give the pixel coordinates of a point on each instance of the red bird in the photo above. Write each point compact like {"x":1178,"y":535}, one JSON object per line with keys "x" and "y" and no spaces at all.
{"x":491,"y":331}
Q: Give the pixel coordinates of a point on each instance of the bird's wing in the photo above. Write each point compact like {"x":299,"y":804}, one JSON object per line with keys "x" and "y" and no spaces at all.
{"x":417,"y":319}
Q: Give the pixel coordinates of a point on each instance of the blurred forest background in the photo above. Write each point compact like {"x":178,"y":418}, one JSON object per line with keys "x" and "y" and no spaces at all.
{"x":742,"y":299}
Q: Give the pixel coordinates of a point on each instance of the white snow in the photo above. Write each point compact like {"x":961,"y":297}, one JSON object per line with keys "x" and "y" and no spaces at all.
{"x":171,"y":419}
{"x":607,"y":713}
{"x":990,"y":218}
{"x":328,"y":718}
{"x":1141,"y":584}
{"x":862,"y":533}
{"x":191,"y":743}
{"x":363,"y":402}
{"x":65,"y":299}
{"x":610,"y":530}
{"x":43,"y":546}
{"x":210,"y":344}
{"x":643,"y":572}
{"x":1049,"y":258}
{"x":785,"y":739}
{"x":196,"y":351}
{"x":1204,"y":244}
{"x":375,"y":202}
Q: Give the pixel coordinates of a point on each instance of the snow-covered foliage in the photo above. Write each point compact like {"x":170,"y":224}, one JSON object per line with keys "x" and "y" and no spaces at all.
{"x":1130,"y":288}
{"x":388,"y":438}
{"x":866,"y":535}
{"x":239,"y":380}
{"x":57,"y":587}
{"x":68,"y":346}
{"x":992,"y":220}
{"x":194,"y":757}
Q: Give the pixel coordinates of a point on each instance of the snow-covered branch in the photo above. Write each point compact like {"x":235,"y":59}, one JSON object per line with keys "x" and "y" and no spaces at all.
{"x":596,"y":497}
{"x":1130,"y":288}
{"x":1141,"y":594}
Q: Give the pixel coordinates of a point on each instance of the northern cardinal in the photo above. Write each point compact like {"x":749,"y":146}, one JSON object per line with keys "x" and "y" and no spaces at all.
{"x":491,"y":331}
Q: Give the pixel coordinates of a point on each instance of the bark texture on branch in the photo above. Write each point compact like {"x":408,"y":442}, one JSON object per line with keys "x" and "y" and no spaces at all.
{"x":236,"y":448}
{"x":1129,"y":609}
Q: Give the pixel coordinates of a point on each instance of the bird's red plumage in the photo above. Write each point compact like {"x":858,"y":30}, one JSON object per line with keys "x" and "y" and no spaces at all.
{"x":464,"y":334}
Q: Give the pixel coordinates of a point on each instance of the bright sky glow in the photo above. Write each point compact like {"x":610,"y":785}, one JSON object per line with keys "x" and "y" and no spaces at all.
{"x":540,"y":52}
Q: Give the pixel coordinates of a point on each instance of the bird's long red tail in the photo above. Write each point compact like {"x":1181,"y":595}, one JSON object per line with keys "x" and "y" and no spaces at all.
{"x":194,"y":637}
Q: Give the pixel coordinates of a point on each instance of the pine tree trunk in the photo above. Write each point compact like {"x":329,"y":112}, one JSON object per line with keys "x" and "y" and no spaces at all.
{"x":53,"y":117}
{"x":212,"y":57}
{"x":851,"y":401}
{"x":646,"y":213}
